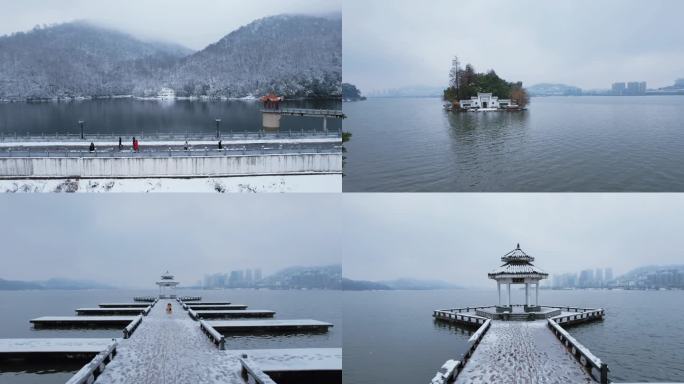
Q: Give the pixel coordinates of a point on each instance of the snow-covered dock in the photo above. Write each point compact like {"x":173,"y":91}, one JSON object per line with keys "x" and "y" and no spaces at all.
{"x":124,"y":305}
{"x":53,"y":348}
{"x":218,"y":307}
{"x":204,"y":314}
{"x":111,"y":311}
{"x":81,"y":321}
{"x":242,"y":326}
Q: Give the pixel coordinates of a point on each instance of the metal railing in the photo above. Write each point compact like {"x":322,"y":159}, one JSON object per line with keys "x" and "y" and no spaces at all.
{"x":131,"y":327}
{"x":594,"y":366}
{"x":167,"y":136}
{"x":162,"y":153}
{"x":214,"y":335}
{"x":95,"y":367}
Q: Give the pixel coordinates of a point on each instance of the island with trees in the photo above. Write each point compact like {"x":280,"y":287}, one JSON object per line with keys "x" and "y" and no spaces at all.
{"x":351,"y":93}
{"x":472,"y":91}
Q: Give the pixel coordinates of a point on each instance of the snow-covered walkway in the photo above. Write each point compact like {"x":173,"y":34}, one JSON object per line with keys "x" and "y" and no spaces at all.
{"x":170,"y":348}
{"x":521,"y":352}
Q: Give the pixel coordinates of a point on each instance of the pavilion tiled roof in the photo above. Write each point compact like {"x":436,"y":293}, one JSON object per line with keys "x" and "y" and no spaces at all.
{"x":517,"y":264}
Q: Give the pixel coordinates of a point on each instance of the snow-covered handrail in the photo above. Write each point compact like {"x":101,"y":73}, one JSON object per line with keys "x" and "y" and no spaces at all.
{"x":193,"y":314}
{"x":189,"y":298}
{"x":581,"y":353}
{"x":587,"y":315}
{"x":149,"y":299}
{"x":213,"y":334}
{"x":94,"y":368}
{"x":130,"y":328}
{"x":452,"y":368}
{"x":447,"y":315}
{"x":252,"y":373}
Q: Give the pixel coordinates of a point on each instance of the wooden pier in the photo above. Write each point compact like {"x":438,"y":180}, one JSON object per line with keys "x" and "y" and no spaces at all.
{"x":124,"y":305}
{"x":219,"y":307}
{"x":531,"y":348}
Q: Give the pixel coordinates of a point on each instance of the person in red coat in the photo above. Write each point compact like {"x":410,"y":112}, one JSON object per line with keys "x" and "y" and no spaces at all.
{"x":136,"y":146}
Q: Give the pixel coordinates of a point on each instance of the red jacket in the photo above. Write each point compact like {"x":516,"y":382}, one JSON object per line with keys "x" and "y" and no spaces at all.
{"x":135,"y":145}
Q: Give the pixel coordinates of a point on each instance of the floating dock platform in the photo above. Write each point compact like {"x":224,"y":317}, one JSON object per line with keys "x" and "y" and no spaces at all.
{"x":111,"y":311}
{"x":220,"y":307}
{"x":81,"y":321}
{"x":230,"y":314}
{"x":124,"y":305}
{"x":257,"y":326}
{"x":52,"y":348}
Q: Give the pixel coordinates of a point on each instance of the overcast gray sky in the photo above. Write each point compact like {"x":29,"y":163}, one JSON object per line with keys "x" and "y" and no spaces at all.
{"x":129,"y":240}
{"x":587,"y":43}
{"x":460,"y":237}
{"x":194,"y":24}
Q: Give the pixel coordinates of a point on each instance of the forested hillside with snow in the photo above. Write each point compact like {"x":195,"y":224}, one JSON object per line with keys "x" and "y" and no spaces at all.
{"x":297,"y":56}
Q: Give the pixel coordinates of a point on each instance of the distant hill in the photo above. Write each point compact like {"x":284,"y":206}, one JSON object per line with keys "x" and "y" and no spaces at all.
{"x":67,"y":284}
{"x":361,"y":285}
{"x":324,"y":277}
{"x":292,"y":55}
{"x":546,"y":89}
{"x":80,"y":59}
{"x":398,"y":284}
{"x":412,"y":91}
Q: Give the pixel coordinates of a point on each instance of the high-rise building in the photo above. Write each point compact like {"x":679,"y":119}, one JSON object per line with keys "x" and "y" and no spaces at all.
{"x":608,"y":275}
{"x":619,"y":89}
{"x":257,"y":275}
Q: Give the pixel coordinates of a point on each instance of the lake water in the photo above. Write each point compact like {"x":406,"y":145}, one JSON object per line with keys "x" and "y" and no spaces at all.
{"x":559,"y":144}
{"x":390,"y":336}
{"x":135,"y":116}
{"x":18,"y":307}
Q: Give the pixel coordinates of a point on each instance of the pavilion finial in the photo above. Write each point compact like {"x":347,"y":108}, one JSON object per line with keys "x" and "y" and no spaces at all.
{"x":517,"y":246}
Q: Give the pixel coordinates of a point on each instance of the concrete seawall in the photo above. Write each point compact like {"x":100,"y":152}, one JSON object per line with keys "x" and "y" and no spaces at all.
{"x":195,"y":166}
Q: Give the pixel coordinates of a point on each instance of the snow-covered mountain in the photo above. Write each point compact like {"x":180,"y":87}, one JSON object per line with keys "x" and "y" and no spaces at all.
{"x":80,"y":59}
{"x":292,"y":55}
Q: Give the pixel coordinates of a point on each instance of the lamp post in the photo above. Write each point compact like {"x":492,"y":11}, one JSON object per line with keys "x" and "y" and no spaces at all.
{"x":218,"y":132}
{"x":81,"y":123}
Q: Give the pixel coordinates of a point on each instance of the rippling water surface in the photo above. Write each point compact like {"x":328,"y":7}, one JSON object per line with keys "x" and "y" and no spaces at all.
{"x":559,"y":144}
{"x":148,"y":117}
{"x":390,"y":337}
{"x":18,"y":307}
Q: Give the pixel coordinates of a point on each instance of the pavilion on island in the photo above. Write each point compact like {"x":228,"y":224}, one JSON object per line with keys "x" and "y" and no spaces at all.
{"x":518,"y":269}
{"x":167,"y":286}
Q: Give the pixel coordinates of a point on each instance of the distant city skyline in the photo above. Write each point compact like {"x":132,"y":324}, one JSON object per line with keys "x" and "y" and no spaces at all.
{"x":459,"y":238}
{"x":130,"y":240}
{"x":582,"y":43}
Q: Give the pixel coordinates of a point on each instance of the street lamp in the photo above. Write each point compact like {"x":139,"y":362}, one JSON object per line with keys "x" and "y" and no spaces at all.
{"x":218,"y":133}
{"x":80,"y":123}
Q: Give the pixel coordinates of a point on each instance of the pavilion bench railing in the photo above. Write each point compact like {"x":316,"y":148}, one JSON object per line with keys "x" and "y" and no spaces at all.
{"x":580,"y":317}
{"x":189,"y":298}
{"x":126,"y":137}
{"x":131,"y":327}
{"x":593,"y":365}
{"x":215,"y":336}
{"x":450,"y":370}
{"x":95,"y":367}
{"x":447,"y":315}
{"x":252,"y":374}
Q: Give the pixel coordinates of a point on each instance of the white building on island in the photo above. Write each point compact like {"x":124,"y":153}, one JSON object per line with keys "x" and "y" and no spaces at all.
{"x":486,"y":102}
{"x":518,"y":269}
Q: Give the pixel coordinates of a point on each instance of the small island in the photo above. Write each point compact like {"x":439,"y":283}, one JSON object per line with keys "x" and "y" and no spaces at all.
{"x":482,"y":92}
{"x":351,"y":93}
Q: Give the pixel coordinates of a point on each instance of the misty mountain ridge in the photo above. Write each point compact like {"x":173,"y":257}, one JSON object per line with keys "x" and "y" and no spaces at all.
{"x":54,"y":283}
{"x":292,"y":55}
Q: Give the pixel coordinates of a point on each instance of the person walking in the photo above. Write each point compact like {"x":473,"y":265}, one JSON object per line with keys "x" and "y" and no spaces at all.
{"x":185,"y":147}
{"x":120,"y":144}
{"x":92,"y":147}
{"x":136,"y":146}
{"x":220,"y":145}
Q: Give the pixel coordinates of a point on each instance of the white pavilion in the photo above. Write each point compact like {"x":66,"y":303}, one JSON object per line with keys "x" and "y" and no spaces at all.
{"x":486,"y":102}
{"x":518,"y":269}
{"x":167,"y":286}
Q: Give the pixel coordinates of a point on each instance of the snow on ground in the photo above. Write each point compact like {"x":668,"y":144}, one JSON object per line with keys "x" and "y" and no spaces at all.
{"x":165,"y":143}
{"x":522,"y":352}
{"x":54,"y":345}
{"x":326,"y":183}
{"x":171,"y":348}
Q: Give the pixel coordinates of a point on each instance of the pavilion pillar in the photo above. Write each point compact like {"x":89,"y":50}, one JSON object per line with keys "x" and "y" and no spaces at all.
{"x":498,"y":288}
{"x":536,"y":296}
{"x":527,"y":294}
{"x":509,"y":294}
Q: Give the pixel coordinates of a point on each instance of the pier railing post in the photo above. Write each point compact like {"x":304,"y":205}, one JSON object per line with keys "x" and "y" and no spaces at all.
{"x":604,"y":373}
